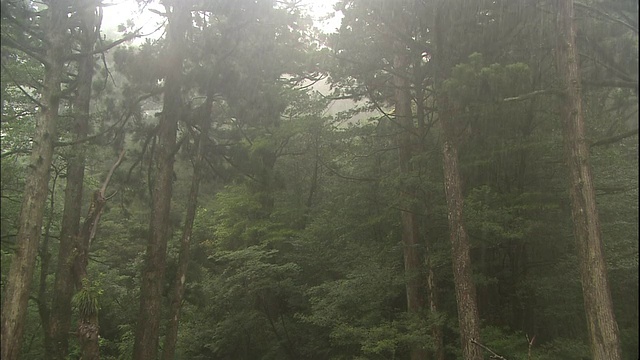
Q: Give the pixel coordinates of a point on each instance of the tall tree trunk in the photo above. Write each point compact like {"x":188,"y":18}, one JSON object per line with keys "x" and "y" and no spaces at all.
{"x":405,"y":141}
{"x":171,"y":336}
{"x":14,"y":306}
{"x":45,"y":258}
{"x":148,"y":325}
{"x":60,"y":322}
{"x":431,"y":286}
{"x":601,"y":322}
{"x":468,"y":318}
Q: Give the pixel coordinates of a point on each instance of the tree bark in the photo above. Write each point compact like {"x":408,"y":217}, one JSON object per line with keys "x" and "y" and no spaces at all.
{"x":60,"y":322}
{"x":468,"y":318}
{"x":171,"y":337}
{"x":148,"y":325}
{"x":14,"y":306}
{"x":45,"y":258}
{"x":405,"y":140}
{"x":601,"y":321}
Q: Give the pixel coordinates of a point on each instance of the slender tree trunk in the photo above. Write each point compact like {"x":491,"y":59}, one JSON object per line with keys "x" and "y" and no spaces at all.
{"x":148,"y":326}
{"x":45,"y":259}
{"x":431,"y":286}
{"x":60,"y":323}
{"x":171,"y":336}
{"x":88,"y":327}
{"x":405,"y":140}
{"x":14,"y":306}
{"x":468,"y":318}
{"x":601,"y":321}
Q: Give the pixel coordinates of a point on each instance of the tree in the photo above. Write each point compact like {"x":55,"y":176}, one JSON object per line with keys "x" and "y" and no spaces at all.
{"x":148,"y":323}
{"x":14,"y":305}
{"x":601,"y":322}
{"x":60,"y":321}
{"x":452,"y":121}
{"x":406,"y":139}
{"x":179,"y":284}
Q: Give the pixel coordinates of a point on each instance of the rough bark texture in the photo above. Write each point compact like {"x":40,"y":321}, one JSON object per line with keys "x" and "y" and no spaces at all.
{"x":148,"y":325}
{"x":60,"y":322}
{"x":468,"y":319}
{"x":171,"y":336}
{"x":436,"y":330}
{"x":45,"y":258}
{"x":14,"y":306}
{"x":601,"y":322}
{"x":410,"y":235}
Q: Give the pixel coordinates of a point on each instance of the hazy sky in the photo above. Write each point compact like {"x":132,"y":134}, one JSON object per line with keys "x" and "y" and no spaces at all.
{"x":120,"y":11}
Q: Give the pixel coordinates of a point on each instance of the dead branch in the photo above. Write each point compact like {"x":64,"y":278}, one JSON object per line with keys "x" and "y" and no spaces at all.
{"x":493,"y":354}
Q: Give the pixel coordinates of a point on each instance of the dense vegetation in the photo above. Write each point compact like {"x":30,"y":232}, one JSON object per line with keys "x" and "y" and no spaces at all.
{"x":195,"y":196}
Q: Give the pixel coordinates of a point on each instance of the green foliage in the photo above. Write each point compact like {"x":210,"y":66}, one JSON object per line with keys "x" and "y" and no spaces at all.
{"x":85,"y":301}
{"x":296,"y":247}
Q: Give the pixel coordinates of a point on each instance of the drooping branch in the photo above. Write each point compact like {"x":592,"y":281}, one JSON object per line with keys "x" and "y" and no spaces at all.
{"x":606,"y":16}
{"x":15,"y":44}
{"x":22,"y":90}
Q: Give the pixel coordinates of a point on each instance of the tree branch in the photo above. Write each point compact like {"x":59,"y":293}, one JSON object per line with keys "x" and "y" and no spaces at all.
{"x":493,"y":354}
{"x":105,"y":48}
{"x":615,"y":138}
{"x":531,"y":95}
{"x":612,"y":83}
{"x":605,"y":15}
{"x":14,"y":44}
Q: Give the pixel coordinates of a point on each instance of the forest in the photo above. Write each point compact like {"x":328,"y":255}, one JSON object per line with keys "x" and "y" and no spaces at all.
{"x":431,"y":180}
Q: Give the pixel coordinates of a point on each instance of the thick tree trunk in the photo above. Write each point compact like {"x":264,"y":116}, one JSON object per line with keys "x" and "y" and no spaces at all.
{"x":171,"y":336}
{"x":410,"y":232}
{"x":148,"y":325}
{"x":14,"y":306}
{"x":601,"y":322}
{"x":60,"y":322}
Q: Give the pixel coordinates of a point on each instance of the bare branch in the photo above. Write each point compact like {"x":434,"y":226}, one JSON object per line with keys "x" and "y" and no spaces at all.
{"x":103,"y":189}
{"x":531,"y":95}
{"x":493,"y":354}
